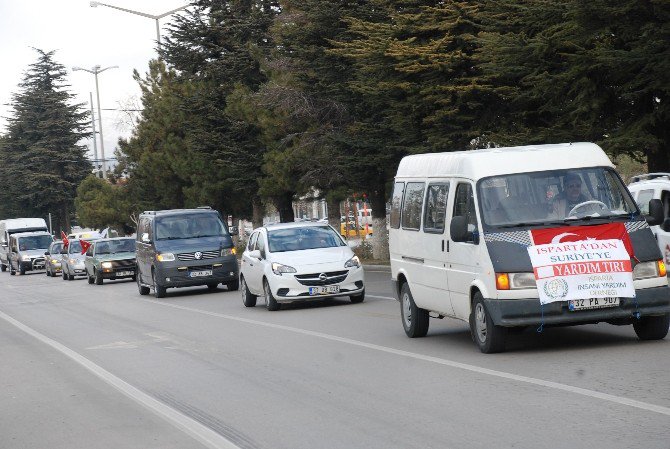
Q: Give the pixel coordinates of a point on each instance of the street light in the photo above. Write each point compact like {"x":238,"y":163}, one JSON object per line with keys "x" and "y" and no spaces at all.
{"x":95,"y":70}
{"x":143,"y":14}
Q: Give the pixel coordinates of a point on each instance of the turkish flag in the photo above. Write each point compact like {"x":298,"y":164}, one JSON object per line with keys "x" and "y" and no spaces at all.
{"x":577,"y":233}
{"x":66,"y":242}
{"x":84,"y":246}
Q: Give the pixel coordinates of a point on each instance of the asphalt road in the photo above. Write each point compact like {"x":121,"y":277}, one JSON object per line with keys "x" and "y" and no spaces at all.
{"x":86,"y":366}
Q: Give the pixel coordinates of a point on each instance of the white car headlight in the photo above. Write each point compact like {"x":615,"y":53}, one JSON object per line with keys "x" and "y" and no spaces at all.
{"x":645,"y":270}
{"x":165,"y":257}
{"x":278,"y":269}
{"x":25,"y":258}
{"x":106,"y":265}
{"x":73,"y":261}
{"x":353,"y":262}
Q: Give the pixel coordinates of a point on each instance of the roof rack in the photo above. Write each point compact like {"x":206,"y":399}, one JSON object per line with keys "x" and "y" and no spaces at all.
{"x":149,"y":212}
{"x":648,"y":176}
{"x":204,"y":207}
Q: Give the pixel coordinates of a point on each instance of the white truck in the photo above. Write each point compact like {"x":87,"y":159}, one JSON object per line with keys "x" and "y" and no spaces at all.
{"x":13,"y":226}
{"x":654,"y":186}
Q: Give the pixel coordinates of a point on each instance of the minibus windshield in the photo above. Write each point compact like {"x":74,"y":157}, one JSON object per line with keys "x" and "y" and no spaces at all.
{"x":556,"y":195}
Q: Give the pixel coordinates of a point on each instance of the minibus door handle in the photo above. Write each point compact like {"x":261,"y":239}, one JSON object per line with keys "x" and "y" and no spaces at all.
{"x":442,"y":245}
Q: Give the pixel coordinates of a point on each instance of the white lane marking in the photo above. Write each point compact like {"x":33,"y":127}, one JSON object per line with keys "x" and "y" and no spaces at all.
{"x":188,"y":425}
{"x":380,"y":297}
{"x":440,"y":361}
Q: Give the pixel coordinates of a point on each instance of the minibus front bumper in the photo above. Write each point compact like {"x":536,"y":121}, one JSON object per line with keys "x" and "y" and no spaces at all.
{"x":529,"y":312}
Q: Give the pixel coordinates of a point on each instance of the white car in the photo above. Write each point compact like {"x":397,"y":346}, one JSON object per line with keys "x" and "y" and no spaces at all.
{"x":291,"y":262}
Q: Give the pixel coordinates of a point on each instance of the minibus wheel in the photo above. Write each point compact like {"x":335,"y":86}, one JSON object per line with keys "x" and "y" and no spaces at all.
{"x":489,"y":337}
{"x":414,"y":319}
{"x":652,"y":327}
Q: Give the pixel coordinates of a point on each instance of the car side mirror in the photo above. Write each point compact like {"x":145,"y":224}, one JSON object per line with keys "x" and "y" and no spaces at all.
{"x":145,"y":238}
{"x":46,"y":253}
{"x":666,"y":225}
{"x":655,"y":216}
{"x":256,"y":254}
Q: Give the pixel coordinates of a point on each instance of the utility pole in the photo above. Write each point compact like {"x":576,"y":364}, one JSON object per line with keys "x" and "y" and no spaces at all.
{"x":95,"y":139}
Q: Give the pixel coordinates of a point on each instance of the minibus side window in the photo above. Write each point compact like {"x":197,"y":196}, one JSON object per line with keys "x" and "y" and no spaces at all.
{"x":396,"y":202}
{"x":464,"y":205}
{"x":436,"y":208}
{"x":411,"y":206}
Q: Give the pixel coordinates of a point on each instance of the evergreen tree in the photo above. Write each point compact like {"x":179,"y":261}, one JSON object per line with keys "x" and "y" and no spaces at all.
{"x":100,"y":204}
{"x":42,"y":160}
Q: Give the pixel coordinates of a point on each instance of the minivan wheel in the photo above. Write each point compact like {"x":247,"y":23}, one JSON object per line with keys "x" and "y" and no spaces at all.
{"x":652,"y":327}
{"x":233,"y":286}
{"x":22,"y":269}
{"x":488,"y":337}
{"x":159,"y":292}
{"x":142,"y":289}
{"x":212,"y":287}
{"x":270,"y":302}
{"x":414,"y":319}
{"x":248,"y":299}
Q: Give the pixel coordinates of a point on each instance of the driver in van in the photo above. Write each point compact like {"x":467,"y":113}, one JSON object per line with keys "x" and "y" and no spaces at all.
{"x":570,"y":197}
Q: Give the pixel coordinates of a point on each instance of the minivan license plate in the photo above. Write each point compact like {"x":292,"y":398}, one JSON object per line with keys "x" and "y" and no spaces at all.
{"x":195,"y":274}
{"x":324,"y":290}
{"x":592,"y":303}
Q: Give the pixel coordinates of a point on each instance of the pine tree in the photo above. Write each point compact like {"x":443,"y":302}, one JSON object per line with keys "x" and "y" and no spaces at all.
{"x":43,"y":162}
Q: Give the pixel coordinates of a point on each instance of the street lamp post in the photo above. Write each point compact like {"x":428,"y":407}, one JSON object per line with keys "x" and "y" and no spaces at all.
{"x":95,"y":70}
{"x":143,"y":14}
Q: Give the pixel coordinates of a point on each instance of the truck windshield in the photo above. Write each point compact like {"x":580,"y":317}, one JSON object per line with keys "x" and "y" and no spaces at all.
{"x":35,"y":242}
{"x":189,"y":226}
{"x":556,"y":195}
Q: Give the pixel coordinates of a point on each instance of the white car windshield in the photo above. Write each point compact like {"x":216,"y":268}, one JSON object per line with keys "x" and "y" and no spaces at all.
{"x":301,"y":238}
{"x":557,"y":195}
{"x":74,"y":247}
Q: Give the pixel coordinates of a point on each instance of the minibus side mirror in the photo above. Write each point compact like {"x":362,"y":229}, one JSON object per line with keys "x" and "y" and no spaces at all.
{"x":655,"y":216}
{"x":666,"y":225}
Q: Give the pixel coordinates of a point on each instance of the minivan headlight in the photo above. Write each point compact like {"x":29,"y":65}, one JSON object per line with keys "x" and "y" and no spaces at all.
{"x":646,"y":270}
{"x":278,"y":269}
{"x":353,"y":262}
{"x":25,"y":258}
{"x":228,"y":252}
{"x":165,"y":257}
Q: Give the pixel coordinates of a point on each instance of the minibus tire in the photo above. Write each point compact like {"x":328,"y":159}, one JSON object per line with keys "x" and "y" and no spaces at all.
{"x":418,"y":318}
{"x":491,"y":339}
{"x":248,"y":299}
{"x":652,"y":327}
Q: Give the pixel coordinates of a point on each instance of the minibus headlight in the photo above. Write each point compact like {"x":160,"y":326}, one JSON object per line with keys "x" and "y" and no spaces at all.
{"x":522,"y":280}
{"x":514,"y":281}
{"x":278,"y":269}
{"x":646,"y":270}
{"x":165,"y":257}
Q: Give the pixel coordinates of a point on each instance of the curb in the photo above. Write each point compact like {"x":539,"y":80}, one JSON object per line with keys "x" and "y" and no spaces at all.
{"x":377,"y":267}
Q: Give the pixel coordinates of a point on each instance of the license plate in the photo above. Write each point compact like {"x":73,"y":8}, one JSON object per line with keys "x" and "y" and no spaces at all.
{"x":197,"y":274}
{"x":124,"y":273}
{"x":592,"y":303}
{"x":324,"y":290}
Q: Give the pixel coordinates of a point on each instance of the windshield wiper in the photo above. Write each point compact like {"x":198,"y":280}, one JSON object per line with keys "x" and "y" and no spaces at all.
{"x":527,"y":224}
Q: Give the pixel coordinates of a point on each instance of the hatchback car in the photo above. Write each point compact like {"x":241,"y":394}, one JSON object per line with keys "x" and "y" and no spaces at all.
{"x":299,"y":261}
{"x":110,"y":259}
{"x":72,"y":261}
{"x":52,"y":258}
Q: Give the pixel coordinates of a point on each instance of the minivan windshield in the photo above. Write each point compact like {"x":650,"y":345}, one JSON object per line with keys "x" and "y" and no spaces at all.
{"x":300,"y":238}
{"x":558,"y":195}
{"x":35,"y":242}
{"x":187,"y":226}
{"x":115,"y":246}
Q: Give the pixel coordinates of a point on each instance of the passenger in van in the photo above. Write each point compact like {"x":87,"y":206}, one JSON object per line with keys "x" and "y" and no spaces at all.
{"x":570,"y":196}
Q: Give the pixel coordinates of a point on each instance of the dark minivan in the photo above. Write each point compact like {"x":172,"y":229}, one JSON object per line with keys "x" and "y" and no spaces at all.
{"x":184,"y":248}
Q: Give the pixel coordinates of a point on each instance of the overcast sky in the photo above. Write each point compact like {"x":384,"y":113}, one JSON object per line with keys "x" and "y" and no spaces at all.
{"x":82,"y":36}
